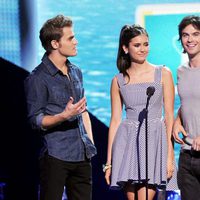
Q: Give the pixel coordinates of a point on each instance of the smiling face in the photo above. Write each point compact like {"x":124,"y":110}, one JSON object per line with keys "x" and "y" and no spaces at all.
{"x":190,"y":39}
{"x":138,"y":48}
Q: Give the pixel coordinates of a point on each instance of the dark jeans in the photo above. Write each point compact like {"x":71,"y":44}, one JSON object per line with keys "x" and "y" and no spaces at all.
{"x":189,"y":175}
{"x":55,"y":174}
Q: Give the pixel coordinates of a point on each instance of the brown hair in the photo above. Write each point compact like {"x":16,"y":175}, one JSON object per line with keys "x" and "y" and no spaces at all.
{"x":53,"y":30}
{"x":191,"y":19}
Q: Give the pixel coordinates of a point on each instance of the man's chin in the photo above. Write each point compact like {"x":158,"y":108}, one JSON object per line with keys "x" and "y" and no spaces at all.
{"x":191,"y":54}
{"x":72,"y":55}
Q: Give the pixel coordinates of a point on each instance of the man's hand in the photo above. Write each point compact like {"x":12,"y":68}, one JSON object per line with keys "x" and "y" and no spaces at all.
{"x":177,"y":128}
{"x":196,"y":143}
{"x":74,"y":109}
{"x":70,"y":110}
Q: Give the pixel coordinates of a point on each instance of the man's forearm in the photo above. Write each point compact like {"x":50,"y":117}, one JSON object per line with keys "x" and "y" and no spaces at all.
{"x":87,"y":125}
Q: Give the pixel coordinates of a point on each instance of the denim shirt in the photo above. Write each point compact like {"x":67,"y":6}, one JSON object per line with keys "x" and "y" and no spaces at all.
{"x":47,"y":93}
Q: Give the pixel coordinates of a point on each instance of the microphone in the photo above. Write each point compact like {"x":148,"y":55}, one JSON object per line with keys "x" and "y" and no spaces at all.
{"x":150,"y":91}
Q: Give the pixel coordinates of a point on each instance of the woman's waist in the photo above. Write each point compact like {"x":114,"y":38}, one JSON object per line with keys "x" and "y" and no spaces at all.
{"x":132,"y":120}
{"x":140,"y":116}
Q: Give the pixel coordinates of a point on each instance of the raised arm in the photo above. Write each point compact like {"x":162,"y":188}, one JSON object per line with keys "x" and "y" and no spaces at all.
{"x":70,"y":110}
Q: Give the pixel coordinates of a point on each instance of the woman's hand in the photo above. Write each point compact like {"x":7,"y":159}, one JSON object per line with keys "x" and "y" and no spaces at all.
{"x":107,"y":175}
{"x":170,"y":166}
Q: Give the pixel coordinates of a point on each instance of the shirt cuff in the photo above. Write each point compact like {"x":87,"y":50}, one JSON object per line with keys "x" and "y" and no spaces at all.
{"x":39,"y":119}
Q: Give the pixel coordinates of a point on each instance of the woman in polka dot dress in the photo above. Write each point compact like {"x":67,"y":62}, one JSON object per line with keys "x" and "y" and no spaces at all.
{"x":126,"y":159}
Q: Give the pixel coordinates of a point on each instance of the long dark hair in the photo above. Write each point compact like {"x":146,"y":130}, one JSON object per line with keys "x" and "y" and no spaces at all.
{"x":127,"y":33}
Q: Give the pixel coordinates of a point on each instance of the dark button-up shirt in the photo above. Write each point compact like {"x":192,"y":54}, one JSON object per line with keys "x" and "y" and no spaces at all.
{"x":48,"y":91}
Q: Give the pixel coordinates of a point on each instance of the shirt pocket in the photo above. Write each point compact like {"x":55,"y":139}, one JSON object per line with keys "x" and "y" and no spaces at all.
{"x":78,"y":88}
{"x":59,"y":95}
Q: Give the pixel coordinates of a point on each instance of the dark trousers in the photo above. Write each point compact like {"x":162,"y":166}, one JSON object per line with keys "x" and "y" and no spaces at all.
{"x":189,"y":175}
{"x":55,"y":174}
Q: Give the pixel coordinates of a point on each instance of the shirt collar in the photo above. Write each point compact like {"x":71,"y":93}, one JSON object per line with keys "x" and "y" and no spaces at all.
{"x":53,"y":70}
{"x":187,"y":65}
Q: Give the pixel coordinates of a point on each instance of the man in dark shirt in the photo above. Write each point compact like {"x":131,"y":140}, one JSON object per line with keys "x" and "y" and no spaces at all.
{"x":57,"y":108}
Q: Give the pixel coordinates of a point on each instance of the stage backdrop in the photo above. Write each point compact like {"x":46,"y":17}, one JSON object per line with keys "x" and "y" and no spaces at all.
{"x":97,"y":25}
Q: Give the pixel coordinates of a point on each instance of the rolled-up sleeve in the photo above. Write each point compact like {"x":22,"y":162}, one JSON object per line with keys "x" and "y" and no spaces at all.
{"x":35,"y":91}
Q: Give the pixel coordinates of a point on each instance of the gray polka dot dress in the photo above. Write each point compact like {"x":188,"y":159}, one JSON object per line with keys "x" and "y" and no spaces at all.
{"x":128,"y":151}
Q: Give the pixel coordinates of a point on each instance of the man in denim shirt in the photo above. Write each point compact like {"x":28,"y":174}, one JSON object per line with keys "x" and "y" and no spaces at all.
{"x":57,"y":108}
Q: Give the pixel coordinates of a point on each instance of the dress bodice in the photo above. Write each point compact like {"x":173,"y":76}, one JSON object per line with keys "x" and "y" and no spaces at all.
{"x":135,"y":104}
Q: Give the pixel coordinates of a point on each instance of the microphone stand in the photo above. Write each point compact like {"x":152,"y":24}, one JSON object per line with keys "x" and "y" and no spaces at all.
{"x":150,"y":91}
{"x":146,"y":144}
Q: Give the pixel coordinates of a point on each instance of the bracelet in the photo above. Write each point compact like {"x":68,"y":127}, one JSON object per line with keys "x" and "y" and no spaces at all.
{"x":106,"y":166}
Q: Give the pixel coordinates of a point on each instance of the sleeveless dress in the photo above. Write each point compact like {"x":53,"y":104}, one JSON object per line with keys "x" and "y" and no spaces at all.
{"x":128,"y":151}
